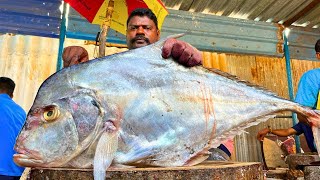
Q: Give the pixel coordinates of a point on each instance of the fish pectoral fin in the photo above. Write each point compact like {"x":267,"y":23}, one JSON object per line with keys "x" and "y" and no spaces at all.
{"x":105,"y":152}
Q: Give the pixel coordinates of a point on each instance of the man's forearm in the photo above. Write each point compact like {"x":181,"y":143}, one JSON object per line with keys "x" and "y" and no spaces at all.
{"x":282,"y":132}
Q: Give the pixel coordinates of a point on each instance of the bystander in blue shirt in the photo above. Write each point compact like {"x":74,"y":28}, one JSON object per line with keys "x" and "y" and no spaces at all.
{"x":308,"y":89}
{"x":307,"y":95}
{"x":12,"y":118}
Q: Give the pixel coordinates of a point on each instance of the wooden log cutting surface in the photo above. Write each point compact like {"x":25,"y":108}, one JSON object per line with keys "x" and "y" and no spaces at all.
{"x":206,"y":170}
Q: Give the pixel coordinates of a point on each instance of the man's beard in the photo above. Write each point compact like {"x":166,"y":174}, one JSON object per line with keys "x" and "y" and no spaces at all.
{"x":139,"y":37}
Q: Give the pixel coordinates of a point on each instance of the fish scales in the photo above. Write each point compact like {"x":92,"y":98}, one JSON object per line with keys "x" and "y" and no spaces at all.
{"x":153,"y":111}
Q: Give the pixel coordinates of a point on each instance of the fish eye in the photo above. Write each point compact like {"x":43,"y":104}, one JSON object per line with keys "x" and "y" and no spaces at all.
{"x":51,"y":114}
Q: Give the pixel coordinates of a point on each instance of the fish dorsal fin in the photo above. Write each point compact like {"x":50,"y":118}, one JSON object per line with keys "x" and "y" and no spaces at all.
{"x":235,"y":78}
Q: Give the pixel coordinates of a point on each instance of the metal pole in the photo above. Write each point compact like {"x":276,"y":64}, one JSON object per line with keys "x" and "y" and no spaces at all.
{"x":62,"y":36}
{"x":290,"y":86}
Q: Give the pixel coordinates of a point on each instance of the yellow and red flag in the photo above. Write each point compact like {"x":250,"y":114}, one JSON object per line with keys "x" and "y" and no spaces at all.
{"x":95,"y":11}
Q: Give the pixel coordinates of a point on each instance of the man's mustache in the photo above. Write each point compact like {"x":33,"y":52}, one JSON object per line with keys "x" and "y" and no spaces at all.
{"x":140,"y":37}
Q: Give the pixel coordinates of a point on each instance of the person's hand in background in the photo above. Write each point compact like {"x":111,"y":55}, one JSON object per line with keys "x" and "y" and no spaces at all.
{"x":74,"y":55}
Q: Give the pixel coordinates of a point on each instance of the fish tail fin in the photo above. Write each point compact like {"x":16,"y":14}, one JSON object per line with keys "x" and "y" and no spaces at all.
{"x":316,"y":136}
{"x":313,"y":117}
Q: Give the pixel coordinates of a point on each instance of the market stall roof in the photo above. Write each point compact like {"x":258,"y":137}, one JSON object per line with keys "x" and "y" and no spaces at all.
{"x":43,"y":17}
{"x":304,"y":13}
{"x":30,"y":17}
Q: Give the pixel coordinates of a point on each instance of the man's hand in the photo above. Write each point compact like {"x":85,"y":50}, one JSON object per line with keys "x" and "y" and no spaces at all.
{"x":74,"y":55}
{"x":262,"y":134}
{"x":182,"y":52}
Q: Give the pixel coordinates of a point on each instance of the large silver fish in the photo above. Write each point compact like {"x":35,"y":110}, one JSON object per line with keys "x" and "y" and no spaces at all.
{"x":136,"y":108}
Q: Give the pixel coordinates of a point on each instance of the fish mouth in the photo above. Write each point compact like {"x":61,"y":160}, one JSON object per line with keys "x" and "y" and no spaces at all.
{"x":27,"y":161}
{"x":28,"y":158}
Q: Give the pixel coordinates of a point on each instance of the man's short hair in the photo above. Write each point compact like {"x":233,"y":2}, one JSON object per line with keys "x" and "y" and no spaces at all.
{"x":317,"y":46}
{"x":143,"y":12}
{"x":7,"y":85}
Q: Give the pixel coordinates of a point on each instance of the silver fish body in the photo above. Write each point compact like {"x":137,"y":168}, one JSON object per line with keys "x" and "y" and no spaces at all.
{"x":160,"y":113}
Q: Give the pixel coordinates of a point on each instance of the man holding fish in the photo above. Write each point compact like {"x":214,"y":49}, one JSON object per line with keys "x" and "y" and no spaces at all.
{"x":142,"y":30}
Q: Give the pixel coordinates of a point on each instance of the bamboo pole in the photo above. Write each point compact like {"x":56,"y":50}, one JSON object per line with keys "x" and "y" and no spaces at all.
{"x":105,"y":27}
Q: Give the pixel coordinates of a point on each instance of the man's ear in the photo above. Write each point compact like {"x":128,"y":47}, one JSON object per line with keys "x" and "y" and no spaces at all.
{"x":318,"y":55}
{"x":158,"y":33}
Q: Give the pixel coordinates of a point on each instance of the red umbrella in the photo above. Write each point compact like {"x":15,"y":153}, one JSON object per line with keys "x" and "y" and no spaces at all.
{"x":114,"y":13}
